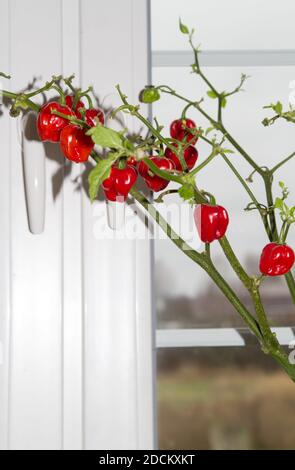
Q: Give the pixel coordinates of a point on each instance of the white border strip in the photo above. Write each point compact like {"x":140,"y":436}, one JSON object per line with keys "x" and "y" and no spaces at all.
{"x":212,"y":337}
{"x":284,"y":335}
{"x":203,"y":337}
{"x":225,"y":58}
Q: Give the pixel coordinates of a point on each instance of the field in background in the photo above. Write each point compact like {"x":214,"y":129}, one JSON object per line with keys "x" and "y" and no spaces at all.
{"x":224,"y":407}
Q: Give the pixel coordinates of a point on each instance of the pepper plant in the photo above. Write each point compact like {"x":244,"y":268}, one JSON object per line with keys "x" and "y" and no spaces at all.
{"x":78,"y":127}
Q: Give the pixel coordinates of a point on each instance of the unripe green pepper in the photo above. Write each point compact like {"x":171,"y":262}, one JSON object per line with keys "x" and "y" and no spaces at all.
{"x":149,"y":94}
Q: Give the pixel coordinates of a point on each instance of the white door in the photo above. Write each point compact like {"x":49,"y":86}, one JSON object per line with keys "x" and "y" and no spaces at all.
{"x":76,"y":337}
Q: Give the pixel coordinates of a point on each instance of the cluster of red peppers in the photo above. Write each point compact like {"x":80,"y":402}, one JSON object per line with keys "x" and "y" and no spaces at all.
{"x":53,"y":126}
{"x":178,"y":131}
{"x":121,"y":180}
{"x":211,"y":219}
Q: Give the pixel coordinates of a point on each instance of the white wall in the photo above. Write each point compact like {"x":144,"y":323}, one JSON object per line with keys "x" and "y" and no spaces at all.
{"x":75,"y":312}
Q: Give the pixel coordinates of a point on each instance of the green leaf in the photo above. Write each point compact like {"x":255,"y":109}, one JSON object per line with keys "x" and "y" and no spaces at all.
{"x":211,"y":94}
{"x":279,"y":203}
{"x":223,"y":102}
{"x":278,"y":107}
{"x":210,"y":129}
{"x":99,"y":173}
{"x":183,"y":28}
{"x":105,"y":137}
{"x":186,"y":192}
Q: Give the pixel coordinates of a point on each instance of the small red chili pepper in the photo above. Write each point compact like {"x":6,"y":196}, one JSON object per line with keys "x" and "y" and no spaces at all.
{"x":79,"y":104}
{"x":179,"y":130}
{"x":190,"y":156}
{"x":117,"y":186}
{"x":75,"y":144}
{"x":276,"y":259}
{"x":154,"y":182}
{"x":211,"y":222}
{"x":93,"y":115}
{"x":50,"y":125}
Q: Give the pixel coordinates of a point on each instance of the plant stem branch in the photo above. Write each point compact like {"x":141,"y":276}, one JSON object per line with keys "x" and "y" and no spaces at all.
{"x":203,"y":261}
{"x":15,"y":96}
{"x":285,"y":160}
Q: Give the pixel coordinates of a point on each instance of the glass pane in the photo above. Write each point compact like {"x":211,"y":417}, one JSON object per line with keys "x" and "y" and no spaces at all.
{"x":223,"y":398}
{"x":224,"y":25}
{"x":185,"y":296}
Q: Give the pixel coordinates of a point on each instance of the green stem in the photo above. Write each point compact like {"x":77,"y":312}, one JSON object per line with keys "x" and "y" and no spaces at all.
{"x":270,"y":344}
{"x":250,"y":193}
{"x":204,"y":163}
{"x":71,"y":119}
{"x":240,"y":149}
{"x":267,"y":178}
{"x":25,"y":99}
{"x":68,"y":82}
{"x":235,"y":263}
{"x":165,"y":193}
{"x":291,"y":285}
{"x":44,"y":88}
{"x":162,"y":173}
{"x":276,"y":167}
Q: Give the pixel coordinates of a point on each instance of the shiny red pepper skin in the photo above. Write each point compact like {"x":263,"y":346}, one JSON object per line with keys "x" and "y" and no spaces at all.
{"x":190,"y":155}
{"x":276,"y":260}
{"x":75,"y":144}
{"x":80,"y":104}
{"x":92,"y":115}
{"x":154,"y":182}
{"x":131,"y":161}
{"x":179,"y":131}
{"x":50,"y":125}
{"x":117,"y":186}
{"x":211,"y":222}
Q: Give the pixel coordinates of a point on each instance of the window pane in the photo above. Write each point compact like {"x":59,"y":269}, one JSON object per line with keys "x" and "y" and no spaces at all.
{"x":224,"y":25}
{"x":223,"y":398}
{"x":185,"y":295}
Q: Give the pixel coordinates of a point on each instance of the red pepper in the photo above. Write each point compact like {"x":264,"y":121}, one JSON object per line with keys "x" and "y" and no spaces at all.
{"x":117,"y":186}
{"x":211,"y":222}
{"x":131,"y":161}
{"x":190,"y":156}
{"x":75,"y":144}
{"x":50,"y":125}
{"x":179,"y":130}
{"x":79,"y":104}
{"x":276,"y":260}
{"x":154,"y":182}
{"x":92,"y":115}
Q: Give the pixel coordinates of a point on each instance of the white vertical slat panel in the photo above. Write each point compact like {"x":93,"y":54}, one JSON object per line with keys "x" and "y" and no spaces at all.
{"x":35,"y":366}
{"x":50,"y":383}
{"x":115,"y":350}
{"x":4,"y":232}
{"x":72,"y":281}
{"x":145,"y":321}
